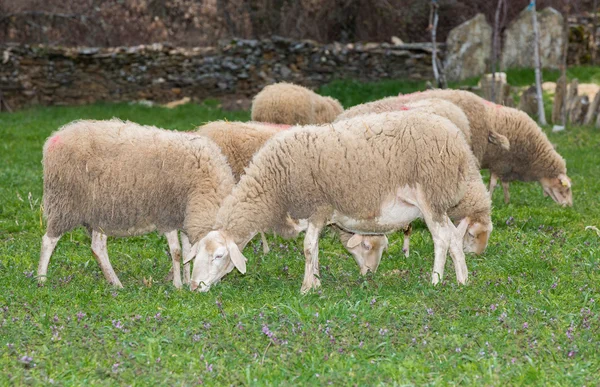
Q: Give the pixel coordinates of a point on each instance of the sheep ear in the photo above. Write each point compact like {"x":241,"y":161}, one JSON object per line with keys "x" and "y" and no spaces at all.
{"x":192,"y":253}
{"x":239,"y":261}
{"x":461,"y":229}
{"x":499,"y":140}
{"x":564,"y":181}
{"x":354,"y":241}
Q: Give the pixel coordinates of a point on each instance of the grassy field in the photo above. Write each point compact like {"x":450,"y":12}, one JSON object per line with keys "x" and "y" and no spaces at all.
{"x":530,"y":314}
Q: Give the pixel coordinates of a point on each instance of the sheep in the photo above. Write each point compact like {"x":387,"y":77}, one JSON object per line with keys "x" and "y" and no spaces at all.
{"x":530,"y":156}
{"x":369,"y":175}
{"x":119,"y":178}
{"x":239,"y":141}
{"x":475,"y":205}
{"x":286,"y":103}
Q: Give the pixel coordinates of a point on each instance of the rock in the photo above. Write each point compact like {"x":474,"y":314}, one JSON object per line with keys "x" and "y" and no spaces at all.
{"x":501,"y":88}
{"x":579,"y":108}
{"x":468,"y":49}
{"x":179,"y":102}
{"x":518,"y":40}
{"x":528,"y":102}
{"x":396,"y":41}
{"x":560,"y":89}
{"x":592,"y":110}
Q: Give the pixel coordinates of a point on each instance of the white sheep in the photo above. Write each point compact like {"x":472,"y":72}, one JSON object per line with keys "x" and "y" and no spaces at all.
{"x":121,"y":179}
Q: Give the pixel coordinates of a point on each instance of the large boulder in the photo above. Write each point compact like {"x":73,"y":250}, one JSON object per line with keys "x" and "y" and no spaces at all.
{"x":468,"y":49}
{"x":518,"y":40}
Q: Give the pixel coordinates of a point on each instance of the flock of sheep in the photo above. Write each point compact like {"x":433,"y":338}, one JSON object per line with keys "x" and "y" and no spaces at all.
{"x":366,"y":171}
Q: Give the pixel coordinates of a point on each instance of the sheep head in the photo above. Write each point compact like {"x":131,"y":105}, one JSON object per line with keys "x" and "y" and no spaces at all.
{"x":559,"y":189}
{"x":476,"y":234}
{"x":215,"y":255}
{"x":366,"y":250}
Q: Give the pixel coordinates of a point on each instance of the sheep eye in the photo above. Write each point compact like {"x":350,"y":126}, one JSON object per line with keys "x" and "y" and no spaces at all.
{"x":366,"y":247}
{"x":218,"y":256}
{"x":471,"y":235}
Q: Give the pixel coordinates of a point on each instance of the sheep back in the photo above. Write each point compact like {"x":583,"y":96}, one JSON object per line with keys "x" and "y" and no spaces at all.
{"x":286,"y":103}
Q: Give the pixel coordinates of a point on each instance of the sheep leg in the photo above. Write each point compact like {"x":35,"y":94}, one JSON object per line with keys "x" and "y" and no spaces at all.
{"x":506,"y":193}
{"x":493,"y":184}
{"x":311,"y":253}
{"x":175,"y":251}
{"x":406,"y":245}
{"x":265,"y":244}
{"x":457,"y":253}
{"x":101,"y":253}
{"x":48,"y":245}
{"x":187,"y":249}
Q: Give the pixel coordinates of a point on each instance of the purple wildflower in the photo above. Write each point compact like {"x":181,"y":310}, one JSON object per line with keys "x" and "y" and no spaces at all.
{"x":458,"y":350}
{"x":493,"y":307}
{"x":570,"y":332}
{"x":383,"y":331}
{"x":525,"y":325}
{"x":571,"y":353}
{"x":209,"y":367}
{"x":27,"y":361}
{"x":207,"y":325}
{"x":373,"y":301}
{"x":115,"y":368}
{"x":196,"y":338}
{"x":554,"y":285}
{"x":80,"y":315}
{"x":513,"y":360}
{"x":430,"y":311}
{"x":28,"y":274}
{"x":158,"y":317}
{"x":117,"y":324}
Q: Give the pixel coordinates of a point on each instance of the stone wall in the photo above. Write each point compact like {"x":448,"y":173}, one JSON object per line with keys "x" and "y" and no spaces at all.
{"x":32,"y":75}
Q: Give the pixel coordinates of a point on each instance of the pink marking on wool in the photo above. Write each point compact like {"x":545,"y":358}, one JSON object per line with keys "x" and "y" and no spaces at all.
{"x":404,"y":107}
{"x":53,"y":141}
{"x":490,"y":103}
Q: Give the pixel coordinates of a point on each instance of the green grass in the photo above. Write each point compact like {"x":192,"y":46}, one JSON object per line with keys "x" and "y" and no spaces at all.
{"x":530,"y":314}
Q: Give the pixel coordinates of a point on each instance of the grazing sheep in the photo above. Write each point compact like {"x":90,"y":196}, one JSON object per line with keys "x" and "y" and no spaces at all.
{"x":239,"y":141}
{"x":122,"y":179}
{"x":475,"y":205}
{"x":530,"y":157}
{"x":369,"y":175}
{"x":286,"y":103}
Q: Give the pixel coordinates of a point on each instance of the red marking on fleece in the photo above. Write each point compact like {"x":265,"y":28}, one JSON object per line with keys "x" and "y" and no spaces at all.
{"x":404,"y":107}
{"x":490,"y":103}
{"x":53,"y":141}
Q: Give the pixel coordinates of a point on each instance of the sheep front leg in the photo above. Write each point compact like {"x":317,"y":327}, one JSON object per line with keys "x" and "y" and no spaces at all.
{"x":101,"y":253}
{"x":311,"y":253}
{"x":406,"y":245}
{"x":457,"y":253}
{"x":187,"y":248}
{"x":175,"y":251}
{"x":48,"y":245}
{"x":506,"y":192}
